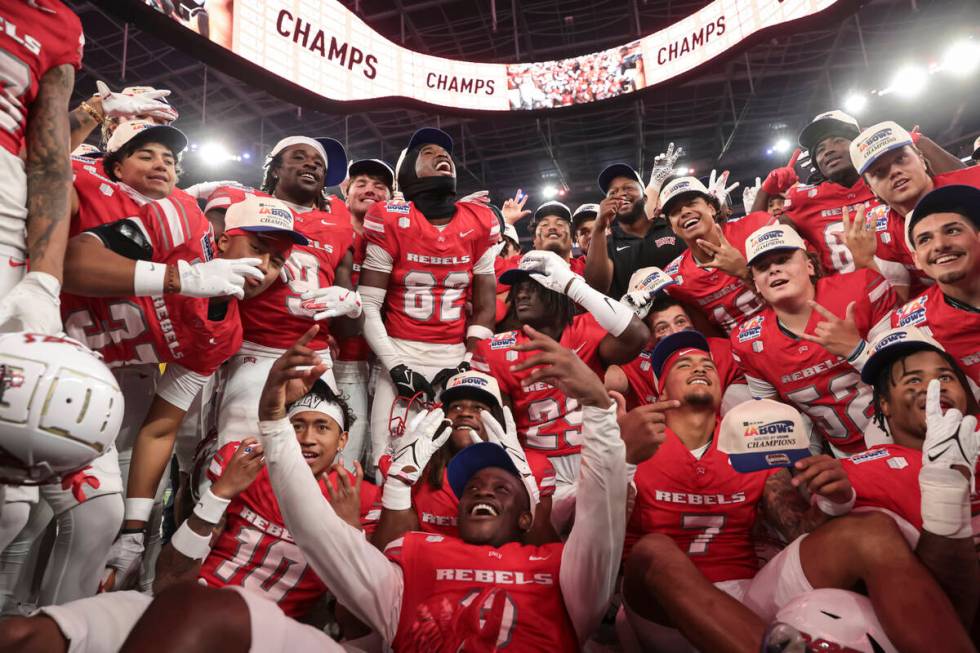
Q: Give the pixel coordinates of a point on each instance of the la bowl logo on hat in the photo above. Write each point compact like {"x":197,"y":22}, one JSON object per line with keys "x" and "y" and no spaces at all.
{"x":890,"y":340}
{"x":769,"y":235}
{"x":751,"y":329}
{"x":875,"y":137}
{"x":275,"y":215}
{"x":770,"y":428}
{"x":504,"y":340}
{"x":913,"y":313}
{"x":681,"y":186}
{"x":471,"y":380}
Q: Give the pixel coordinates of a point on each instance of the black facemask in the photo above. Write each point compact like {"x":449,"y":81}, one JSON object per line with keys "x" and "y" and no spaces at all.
{"x":435,"y":197}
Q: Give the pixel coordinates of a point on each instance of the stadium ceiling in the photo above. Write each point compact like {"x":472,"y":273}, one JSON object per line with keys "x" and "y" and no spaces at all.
{"x":727,"y":116}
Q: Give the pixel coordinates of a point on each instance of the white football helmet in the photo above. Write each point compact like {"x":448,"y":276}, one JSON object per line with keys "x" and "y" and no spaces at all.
{"x":825,"y":620}
{"x":60,"y":407}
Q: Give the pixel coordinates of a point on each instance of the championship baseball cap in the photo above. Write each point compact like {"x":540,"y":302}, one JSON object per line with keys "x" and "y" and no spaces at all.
{"x":510,"y":231}
{"x":771,"y":238}
{"x":513,"y":276}
{"x":333,"y":153}
{"x":683,"y":188}
{"x":651,"y":279}
{"x":891,"y":345}
{"x":673,"y":346}
{"x":617,"y":170}
{"x":584,"y":213}
{"x":964,"y":200}
{"x":828,"y":123}
{"x":472,"y":459}
{"x":551,"y":207}
{"x":761,"y":434}
{"x":144,"y":131}
{"x":87,"y":151}
{"x":472,"y":384}
{"x":433,"y":136}
{"x":373,"y":167}
{"x":875,"y":141}
{"x":263,"y":215}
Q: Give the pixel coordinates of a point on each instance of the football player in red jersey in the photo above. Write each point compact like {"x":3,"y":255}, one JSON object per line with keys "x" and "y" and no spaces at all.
{"x":815,"y":211}
{"x":42,"y":46}
{"x":544,"y":292}
{"x":711,"y":274}
{"x":922,"y":399}
{"x":664,"y":315}
{"x":899,"y":176}
{"x":236,"y":538}
{"x":474,"y":409}
{"x":551,"y":228}
{"x":692,"y":564}
{"x":805,"y":347}
{"x":943,"y":233}
{"x":434,"y":593}
{"x":426,"y":258}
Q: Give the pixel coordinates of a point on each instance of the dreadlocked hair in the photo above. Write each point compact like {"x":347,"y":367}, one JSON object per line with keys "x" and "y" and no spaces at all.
{"x":270,"y":180}
{"x":555,"y":303}
{"x":322,"y":391}
{"x":883,"y":382}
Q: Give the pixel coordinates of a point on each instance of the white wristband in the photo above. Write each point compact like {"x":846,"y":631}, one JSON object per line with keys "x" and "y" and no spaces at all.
{"x":832,"y":508}
{"x":138,"y":509}
{"x":396,"y":495}
{"x":190,"y":544}
{"x":149,"y":278}
{"x":478,"y":331}
{"x":211,"y":508}
{"x":945,"y":502}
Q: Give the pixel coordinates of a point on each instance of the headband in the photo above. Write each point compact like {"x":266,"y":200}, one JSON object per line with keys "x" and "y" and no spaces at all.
{"x":315,"y":403}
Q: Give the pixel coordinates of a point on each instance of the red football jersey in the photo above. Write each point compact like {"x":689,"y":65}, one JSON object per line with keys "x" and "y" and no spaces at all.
{"x":355,"y":348}
{"x":438,"y":508}
{"x":822,"y":385}
{"x":957,"y":328}
{"x":162,"y":329}
{"x":816,"y":211}
{"x":432,"y":267}
{"x":887,"y":476}
{"x":101,"y":200}
{"x":256,"y":551}
{"x":704,"y":505}
{"x":444,"y":576}
{"x":33,"y":39}
{"x":547,"y":420}
{"x":725,"y":300}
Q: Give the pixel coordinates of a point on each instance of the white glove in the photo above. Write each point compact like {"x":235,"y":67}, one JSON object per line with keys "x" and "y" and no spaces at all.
{"x":205,"y":189}
{"x":663,"y":166}
{"x":639,"y":301}
{"x":117,"y":105}
{"x":218,"y":277}
{"x":748,"y":195}
{"x":412,"y":453}
{"x":125,"y":556}
{"x":506,"y":437}
{"x":549,"y":269}
{"x":330,"y":302}
{"x":32,"y":305}
{"x":716,"y":187}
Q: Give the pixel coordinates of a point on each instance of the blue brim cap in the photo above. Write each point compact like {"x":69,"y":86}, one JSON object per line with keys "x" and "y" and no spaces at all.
{"x":431,"y":135}
{"x":472,"y":459}
{"x":964,"y":200}
{"x":336,"y":160}
{"x":617,"y":170}
{"x":745,"y":463}
{"x":688,"y":339}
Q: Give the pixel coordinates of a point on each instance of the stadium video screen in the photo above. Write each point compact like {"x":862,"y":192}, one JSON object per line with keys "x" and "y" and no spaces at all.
{"x":325,"y":48}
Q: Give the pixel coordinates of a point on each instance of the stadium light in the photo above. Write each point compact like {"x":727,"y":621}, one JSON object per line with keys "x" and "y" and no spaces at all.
{"x":549,"y":192}
{"x":962,"y":58}
{"x":855,"y":103}
{"x":214,"y":154}
{"x":246,"y":156}
{"x":782,"y":146}
{"x":909,"y":81}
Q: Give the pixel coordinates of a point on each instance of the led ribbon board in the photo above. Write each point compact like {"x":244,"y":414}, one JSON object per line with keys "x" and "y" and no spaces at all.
{"x":321,"y":46}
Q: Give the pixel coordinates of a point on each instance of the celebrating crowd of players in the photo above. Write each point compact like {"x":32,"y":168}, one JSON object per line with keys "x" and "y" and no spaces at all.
{"x":668,"y":426}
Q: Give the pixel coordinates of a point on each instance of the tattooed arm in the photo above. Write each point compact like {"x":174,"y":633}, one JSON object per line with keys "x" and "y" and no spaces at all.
{"x":49,"y":172}
{"x":785,"y":510}
{"x":81,"y":123}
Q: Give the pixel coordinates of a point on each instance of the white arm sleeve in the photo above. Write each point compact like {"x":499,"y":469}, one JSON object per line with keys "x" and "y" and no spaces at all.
{"x":591,"y":557}
{"x":613,"y":316}
{"x":760,"y":389}
{"x":377,"y":259}
{"x":179,"y":386}
{"x":893,"y":271}
{"x":359,"y":575}
{"x":485,"y":264}
{"x":374,"y":327}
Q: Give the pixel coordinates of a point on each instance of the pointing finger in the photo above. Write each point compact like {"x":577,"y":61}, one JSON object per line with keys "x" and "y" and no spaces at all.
{"x":792,"y":159}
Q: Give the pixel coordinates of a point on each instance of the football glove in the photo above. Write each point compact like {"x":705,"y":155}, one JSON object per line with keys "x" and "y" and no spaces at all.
{"x":442,"y":378}
{"x":125,"y":556}
{"x":506,"y":437}
{"x":550,"y":270}
{"x":332,"y":301}
{"x":425,"y":435}
{"x":117,"y":105}
{"x":409,"y":383}
{"x":34,"y":305}
{"x":218,"y":277}
{"x":663,"y":166}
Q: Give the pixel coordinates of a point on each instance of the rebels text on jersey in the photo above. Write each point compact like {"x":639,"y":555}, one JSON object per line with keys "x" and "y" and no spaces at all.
{"x":515,"y":585}
{"x":432,"y":267}
{"x":256,"y":551}
{"x":547,"y":420}
{"x":704,"y":505}
{"x":437,"y":508}
{"x":725,"y":300}
{"x":165,"y":328}
{"x":955,"y":327}
{"x":34,"y":38}
{"x":821,"y":384}
{"x":816,"y":212}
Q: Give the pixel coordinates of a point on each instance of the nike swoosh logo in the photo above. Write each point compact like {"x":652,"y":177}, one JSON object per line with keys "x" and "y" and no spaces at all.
{"x":464,"y":234}
{"x":619,"y":249}
{"x":326,"y":224}
{"x":16,"y":264}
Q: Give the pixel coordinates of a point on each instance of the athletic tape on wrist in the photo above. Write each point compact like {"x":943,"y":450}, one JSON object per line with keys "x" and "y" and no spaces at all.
{"x":945,"y":502}
{"x":138,"y":509}
{"x":396,"y":495}
{"x":188,"y":543}
{"x":832,"y":508}
{"x":211,"y":508}
{"x":149,"y":278}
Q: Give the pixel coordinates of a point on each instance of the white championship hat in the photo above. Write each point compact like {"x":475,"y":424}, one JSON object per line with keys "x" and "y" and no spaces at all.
{"x":894,"y":343}
{"x":761,"y":434}
{"x":682,"y":186}
{"x":472,"y":383}
{"x":650,"y":279}
{"x":771,"y":238}
{"x":875,"y":141}
{"x":149,"y":132}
